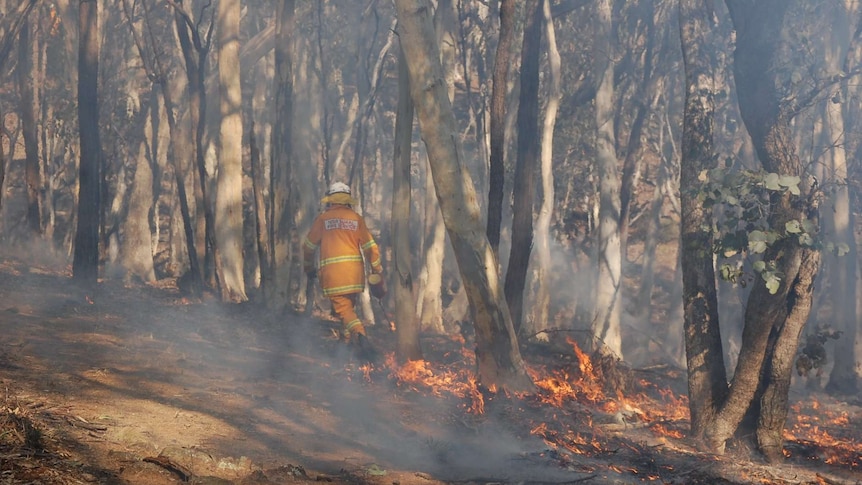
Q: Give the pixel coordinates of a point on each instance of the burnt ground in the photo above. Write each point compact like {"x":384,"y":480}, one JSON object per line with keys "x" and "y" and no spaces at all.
{"x":140,"y":386}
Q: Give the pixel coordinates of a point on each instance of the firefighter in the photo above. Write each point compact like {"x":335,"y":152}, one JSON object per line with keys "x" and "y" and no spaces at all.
{"x":343,"y":239}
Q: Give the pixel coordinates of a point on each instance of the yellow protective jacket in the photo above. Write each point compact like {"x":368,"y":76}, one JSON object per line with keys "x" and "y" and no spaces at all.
{"x":343,"y":240}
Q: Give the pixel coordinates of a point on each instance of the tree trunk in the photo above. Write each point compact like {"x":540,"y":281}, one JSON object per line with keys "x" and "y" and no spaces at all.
{"x":195,"y":53}
{"x":759,"y":30}
{"x":707,"y":380}
{"x":85,"y":268}
{"x":843,"y":378}
{"x":499,"y":362}
{"x":606,"y":332}
{"x":543,"y":223}
{"x":29,"y":103}
{"x":228,"y":211}
{"x":277,"y":279}
{"x":499,"y":89}
{"x":401,"y":274}
{"x":525,"y":165}
{"x":136,"y":250}
{"x":430,"y":308}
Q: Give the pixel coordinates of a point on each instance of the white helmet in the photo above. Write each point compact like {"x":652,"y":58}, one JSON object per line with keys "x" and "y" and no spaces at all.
{"x":338,"y":188}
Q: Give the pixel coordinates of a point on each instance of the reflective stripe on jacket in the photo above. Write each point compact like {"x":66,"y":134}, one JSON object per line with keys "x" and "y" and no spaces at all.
{"x":343,"y":240}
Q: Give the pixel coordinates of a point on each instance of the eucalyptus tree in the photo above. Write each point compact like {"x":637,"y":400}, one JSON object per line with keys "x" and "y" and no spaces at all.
{"x":276,"y":273}
{"x":29,"y":86}
{"x":401,"y":272}
{"x":85,"y":267}
{"x":228,"y":209}
{"x":499,"y":90}
{"x":9,"y":28}
{"x":540,"y":311}
{"x":499,"y":362}
{"x":840,"y":53}
{"x":526,"y":162}
{"x":771,"y":92}
{"x":606,"y":331}
{"x":706,"y":375}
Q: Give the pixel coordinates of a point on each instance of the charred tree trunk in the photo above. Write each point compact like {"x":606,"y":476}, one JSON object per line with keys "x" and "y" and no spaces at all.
{"x":499,"y":89}
{"x":85,"y":267}
{"x":707,"y":380}
{"x":525,"y":165}
{"x":500,"y":366}
{"x":276,"y":275}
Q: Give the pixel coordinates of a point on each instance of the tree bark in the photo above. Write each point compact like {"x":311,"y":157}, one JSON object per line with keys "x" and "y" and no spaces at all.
{"x":606,"y":331}
{"x":543,"y":222}
{"x":499,"y":362}
{"x":277,"y":280}
{"x":525,"y":164}
{"x":85,"y":267}
{"x":29,"y":109}
{"x":401,"y":275}
{"x":195,"y":53}
{"x":767,"y":116}
{"x":499,"y":89}
{"x":844,"y":377}
{"x":228,"y":211}
{"x":707,"y":379}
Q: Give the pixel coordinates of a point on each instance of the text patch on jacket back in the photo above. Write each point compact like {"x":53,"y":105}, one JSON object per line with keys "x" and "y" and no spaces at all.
{"x":347,"y":224}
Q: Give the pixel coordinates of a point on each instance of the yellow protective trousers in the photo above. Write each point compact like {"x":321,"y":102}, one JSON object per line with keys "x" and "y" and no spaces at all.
{"x":344,"y":306}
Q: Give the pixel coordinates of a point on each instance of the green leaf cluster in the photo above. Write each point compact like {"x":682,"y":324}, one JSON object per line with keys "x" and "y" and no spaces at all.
{"x":741,"y":201}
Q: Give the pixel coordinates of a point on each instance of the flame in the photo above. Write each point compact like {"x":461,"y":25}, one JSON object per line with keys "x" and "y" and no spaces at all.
{"x":420,"y":375}
{"x":827,"y":433}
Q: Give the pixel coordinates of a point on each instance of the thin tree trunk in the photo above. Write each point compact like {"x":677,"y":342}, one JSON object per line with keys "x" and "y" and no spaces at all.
{"x":606,"y":331}
{"x":707,"y":381}
{"x":499,"y":89}
{"x":431,"y":306}
{"x":277,"y":279}
{"x":29,"y":109}
{"x":228,"y":212}
{"x":85,"y":267}
{"x":543,"y":223}
{"x":499,"y":362}
{"x":525,"y":165}
{"x":402,"y":277}
{"x":844,"y":377}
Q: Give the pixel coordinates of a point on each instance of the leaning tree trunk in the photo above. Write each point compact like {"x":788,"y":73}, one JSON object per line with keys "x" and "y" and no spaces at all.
{"x":85,"y":267}
{"x":499,"y":362}
{"x":401,"y":274}
{"x":228,"y":213}
{"x":707,"y":380}
{"x":525,"y":164}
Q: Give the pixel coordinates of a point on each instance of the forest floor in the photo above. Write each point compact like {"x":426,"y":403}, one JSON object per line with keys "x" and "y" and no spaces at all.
{"x":141,"y":386}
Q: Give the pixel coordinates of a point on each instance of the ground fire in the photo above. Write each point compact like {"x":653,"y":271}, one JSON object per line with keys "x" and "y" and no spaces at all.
{"x":577,"y":414}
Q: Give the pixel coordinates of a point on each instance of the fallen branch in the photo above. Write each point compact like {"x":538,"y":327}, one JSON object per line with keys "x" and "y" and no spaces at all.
{"x":184,"y":473}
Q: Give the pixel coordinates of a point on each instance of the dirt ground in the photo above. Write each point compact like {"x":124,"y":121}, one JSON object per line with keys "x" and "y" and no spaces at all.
{"x":140,"y":386}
